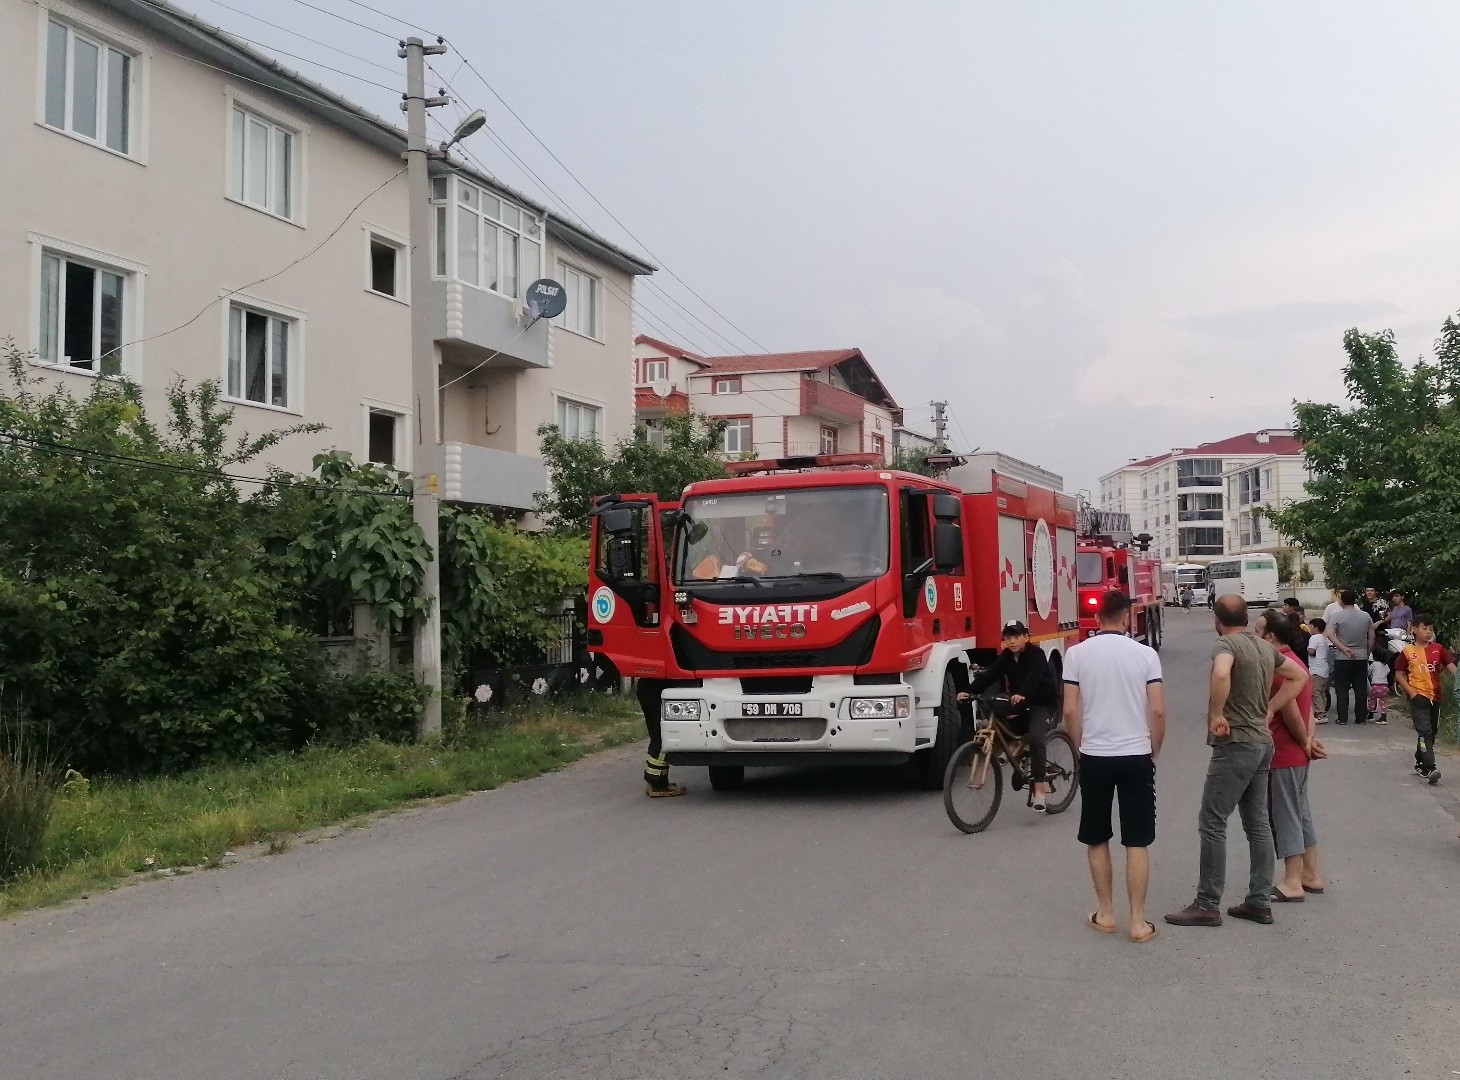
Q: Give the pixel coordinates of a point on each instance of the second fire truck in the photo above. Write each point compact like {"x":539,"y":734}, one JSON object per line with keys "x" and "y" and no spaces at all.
{"x":827,"y":609}
{"x":1109,"y":557}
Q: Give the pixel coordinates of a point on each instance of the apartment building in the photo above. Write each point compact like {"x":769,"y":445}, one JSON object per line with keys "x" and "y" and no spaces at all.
{"x":1178,"y":497}
{"x":179,"y":205}
{"x":1254,"y":487}
{"x":775,"y":404}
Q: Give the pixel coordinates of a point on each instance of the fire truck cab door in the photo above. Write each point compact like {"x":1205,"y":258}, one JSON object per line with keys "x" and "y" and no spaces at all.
{"x":626,"y":583}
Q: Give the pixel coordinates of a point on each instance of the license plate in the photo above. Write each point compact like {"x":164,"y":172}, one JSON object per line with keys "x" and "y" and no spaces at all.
{"x":773,"y":710}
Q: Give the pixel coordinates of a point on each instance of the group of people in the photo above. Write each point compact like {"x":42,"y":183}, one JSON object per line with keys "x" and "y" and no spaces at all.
{"x":1264,"y":705}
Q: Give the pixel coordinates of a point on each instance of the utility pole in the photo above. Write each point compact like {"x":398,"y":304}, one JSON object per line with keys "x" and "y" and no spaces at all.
{"x":425,"y":376}
{"x":940,"y":423}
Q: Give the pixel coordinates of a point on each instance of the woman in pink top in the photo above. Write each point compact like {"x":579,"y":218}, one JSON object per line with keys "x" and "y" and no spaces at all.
{"x":1294,"y":746}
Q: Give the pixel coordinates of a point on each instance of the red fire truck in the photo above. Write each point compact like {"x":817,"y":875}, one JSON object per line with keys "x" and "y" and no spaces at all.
{"x":820,"y":610}
{"x":1108,"y":558}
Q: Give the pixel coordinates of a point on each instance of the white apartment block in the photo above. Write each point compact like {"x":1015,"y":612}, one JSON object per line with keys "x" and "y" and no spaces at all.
{"x":1251,"y":487}
{"x":775,"y":404}
{"x":180,"y":205}
{"x":1178,"y":497}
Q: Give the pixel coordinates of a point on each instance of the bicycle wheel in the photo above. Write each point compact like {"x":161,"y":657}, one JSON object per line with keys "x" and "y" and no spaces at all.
{"x":973,"y":785}
{"x":1063,"y":772}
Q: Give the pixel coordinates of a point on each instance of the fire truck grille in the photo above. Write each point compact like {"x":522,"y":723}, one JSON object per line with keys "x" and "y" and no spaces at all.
{"x":808,"y":729}
{"x":852,"y":651}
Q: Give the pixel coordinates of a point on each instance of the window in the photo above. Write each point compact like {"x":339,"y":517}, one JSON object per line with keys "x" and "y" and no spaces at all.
{"x":83,"y":314}
{"x":879,"y":447}
{"x":655,"y":369}
{"x":387,"y":266}
{"x":260,"y":357}
{"x":584,"y":300}
{"x":579,"y":421}
{"x":382,"y":438}
{"x":484,"y":240}
{"x":726,"y":386}
{"x":1194,"y":472}
{"x":737,"y":437}
{"x":828,"y":440}
{"x":265,"y":165}
{"x":89,"y":88}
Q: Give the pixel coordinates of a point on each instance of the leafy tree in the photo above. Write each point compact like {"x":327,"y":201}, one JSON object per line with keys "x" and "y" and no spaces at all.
{"x":582,"y":469}
{"x":906,"y":459}
{"x":1385,"y":491}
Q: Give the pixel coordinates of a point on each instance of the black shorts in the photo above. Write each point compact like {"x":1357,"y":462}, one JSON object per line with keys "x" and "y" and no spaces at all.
{"x":1134,"y":779}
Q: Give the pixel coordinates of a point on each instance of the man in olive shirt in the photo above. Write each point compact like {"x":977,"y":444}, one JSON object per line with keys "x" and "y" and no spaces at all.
{"x":1237,"y":730}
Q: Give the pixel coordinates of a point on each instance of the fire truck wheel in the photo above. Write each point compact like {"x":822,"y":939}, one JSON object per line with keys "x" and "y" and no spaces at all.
{"x":726,"y":777}
{"x":932,"y":763}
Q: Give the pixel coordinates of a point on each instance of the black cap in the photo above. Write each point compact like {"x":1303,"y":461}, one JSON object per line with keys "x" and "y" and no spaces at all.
{"x":1014,"y":628}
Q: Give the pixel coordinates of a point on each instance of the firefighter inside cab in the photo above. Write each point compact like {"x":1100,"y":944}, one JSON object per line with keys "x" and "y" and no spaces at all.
{"x":751,"y":535}
{"x":1024,"y":673}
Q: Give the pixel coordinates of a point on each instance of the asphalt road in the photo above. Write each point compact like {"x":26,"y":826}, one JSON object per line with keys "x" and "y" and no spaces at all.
{"x":811,"y":925}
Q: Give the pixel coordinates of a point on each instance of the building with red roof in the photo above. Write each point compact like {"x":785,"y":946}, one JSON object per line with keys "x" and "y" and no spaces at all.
{"x":775,"y":404}
{"x":1201,"y":502}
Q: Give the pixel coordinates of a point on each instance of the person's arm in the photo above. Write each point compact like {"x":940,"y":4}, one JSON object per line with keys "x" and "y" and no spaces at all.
{"x":987,"y":677}
{"x":1401,"y":675}
{"x":1369,"y":639}
{"x":1294,"y":679}
{"x":1297,"y":726}
{"x":1221,"y":689}
{"x":1156,"y":715}
{"x":1038,"y":674}
{"x":1072,"y":713}
{"x":1332,"y":635}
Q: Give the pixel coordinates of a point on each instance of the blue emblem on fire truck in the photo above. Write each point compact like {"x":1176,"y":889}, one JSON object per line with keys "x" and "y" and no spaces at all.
{"x":603,"y":604}
{"x":930,"y":594}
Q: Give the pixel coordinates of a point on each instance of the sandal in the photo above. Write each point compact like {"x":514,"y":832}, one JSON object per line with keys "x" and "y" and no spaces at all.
{"x":1093,"y":925}
{"x":1143,"y":938}
{"x":1316,"y":892}
{"x":1280,"y":897}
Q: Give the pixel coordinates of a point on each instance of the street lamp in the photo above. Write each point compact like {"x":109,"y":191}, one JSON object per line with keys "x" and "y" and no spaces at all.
{"x":467,"y":128}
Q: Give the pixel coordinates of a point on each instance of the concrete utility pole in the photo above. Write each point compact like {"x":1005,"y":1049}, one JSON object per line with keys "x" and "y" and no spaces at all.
{"x":940,"y":423}
{"x":425,"y":375}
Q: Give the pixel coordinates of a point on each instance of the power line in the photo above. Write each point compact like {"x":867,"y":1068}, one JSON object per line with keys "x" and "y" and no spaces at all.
{"x":397,"y":18}
{"x":346,"y":19}
{"x":305,"y":37}
{"x":482,"y":79}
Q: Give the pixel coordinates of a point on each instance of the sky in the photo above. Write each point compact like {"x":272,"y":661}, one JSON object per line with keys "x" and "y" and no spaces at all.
{"x":1098,"y":230}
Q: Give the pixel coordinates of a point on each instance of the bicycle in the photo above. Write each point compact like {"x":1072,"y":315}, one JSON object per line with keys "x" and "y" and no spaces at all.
{"x":973,"y":785}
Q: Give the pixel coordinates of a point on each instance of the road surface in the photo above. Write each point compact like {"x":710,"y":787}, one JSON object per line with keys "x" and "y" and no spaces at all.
{"x":811,"y":925}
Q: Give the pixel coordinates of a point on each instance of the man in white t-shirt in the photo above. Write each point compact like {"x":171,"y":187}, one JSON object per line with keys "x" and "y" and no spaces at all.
{"x":1115,"y":711}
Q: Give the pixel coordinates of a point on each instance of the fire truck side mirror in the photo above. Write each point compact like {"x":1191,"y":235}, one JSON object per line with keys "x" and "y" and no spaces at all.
{"x":617,"y":521}
{"x":947,"y":507}
{"x":947,"y":547}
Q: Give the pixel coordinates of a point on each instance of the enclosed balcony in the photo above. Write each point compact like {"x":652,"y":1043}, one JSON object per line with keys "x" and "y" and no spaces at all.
{"x":831,"y":402}
{"x":479,"y":474}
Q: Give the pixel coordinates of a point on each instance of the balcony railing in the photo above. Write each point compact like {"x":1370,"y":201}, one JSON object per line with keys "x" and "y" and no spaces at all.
{"x":650,"y":403}
{"x":479,"y":474}
{"x":1213,"y":480}
{"x":832,"y":402}
{"x":1199,"y":515}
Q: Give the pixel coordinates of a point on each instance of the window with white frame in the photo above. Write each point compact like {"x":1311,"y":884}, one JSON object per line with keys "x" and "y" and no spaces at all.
{"x":655,"y":369}
{"x":265,"y":163}
{"x":383,"y":437}
{"x":729,"y":385}
{"x":828,"y":440}
{"x":585,"y":299}
{"x":387,"y":266}
{"x":84,"y":314}
{"x":579,"y":420}
{"x":484,"y":239}
{"x":737,"y":436}
{"x":262,"y":356}
{"x":89,"y":87}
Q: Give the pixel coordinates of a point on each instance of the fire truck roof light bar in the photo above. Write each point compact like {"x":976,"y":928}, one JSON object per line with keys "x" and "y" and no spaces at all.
{"x":798,"y":464}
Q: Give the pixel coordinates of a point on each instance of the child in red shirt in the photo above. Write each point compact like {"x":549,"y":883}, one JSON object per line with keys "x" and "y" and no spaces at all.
{"x":1417,"y":670}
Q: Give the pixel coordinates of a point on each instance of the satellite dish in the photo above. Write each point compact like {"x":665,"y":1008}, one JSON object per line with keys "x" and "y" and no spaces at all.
{"x":545,"y":299}
{"x":662,"y":388}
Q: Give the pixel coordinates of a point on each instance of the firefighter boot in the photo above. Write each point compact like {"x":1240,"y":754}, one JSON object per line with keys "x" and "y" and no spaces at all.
{"x":656,"y":779}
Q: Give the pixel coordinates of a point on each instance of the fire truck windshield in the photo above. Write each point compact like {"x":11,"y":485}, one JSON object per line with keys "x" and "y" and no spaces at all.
{"x":832,"y":532}
{"x":1090,"y":568}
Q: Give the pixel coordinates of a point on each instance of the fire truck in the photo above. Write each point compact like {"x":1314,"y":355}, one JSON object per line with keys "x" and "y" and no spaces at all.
{"x":826,"y":609}
{"x":1109,"y":557}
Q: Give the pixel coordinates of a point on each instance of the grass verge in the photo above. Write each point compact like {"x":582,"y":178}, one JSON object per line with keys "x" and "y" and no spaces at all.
{"x":104,"y":831}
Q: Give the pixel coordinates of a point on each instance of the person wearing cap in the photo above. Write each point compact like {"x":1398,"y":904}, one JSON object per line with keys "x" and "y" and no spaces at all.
{"x":1025,"y":675}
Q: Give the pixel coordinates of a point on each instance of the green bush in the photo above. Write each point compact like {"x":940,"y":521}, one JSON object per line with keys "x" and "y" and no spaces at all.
{"x":349,"y":709}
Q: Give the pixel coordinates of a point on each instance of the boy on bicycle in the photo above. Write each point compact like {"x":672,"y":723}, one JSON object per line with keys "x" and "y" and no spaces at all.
{"x":1025,"y":675}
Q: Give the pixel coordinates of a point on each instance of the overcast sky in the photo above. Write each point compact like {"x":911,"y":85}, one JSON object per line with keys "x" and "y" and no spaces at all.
{"x":1098,"y":229}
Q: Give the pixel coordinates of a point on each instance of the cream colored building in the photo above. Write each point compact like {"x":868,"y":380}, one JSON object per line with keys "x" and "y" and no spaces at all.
{"x":176,"y":204}
{"x":1253,"y":487}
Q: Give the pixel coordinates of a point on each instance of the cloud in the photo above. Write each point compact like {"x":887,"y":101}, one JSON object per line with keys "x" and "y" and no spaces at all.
{"x":1288,"y":320}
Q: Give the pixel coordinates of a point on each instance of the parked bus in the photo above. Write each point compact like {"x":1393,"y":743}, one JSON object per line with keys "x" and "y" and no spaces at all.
{"x":1177,"y":576}
{"x":1254,"y":577}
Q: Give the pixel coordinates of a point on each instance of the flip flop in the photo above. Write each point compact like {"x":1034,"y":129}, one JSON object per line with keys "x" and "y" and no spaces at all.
{"x":1310,"y":889}
{"x":1093,"y":925}
{"x":1280,"y":897}
{"x":1142,"y":939}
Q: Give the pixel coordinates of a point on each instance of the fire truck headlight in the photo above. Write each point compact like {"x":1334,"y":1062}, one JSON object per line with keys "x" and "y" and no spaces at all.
{"x":680,"y":710}
{"x":879,"y":708}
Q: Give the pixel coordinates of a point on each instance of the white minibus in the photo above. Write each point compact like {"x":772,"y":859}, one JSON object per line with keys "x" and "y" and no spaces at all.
{"x":1177,"y":576}
{"x":1253,"y":577}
